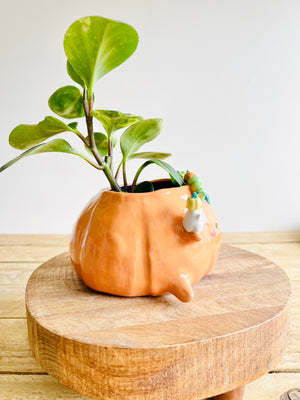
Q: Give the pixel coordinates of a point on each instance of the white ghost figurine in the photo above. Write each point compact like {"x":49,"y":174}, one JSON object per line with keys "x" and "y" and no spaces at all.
{"x":194,"y":219}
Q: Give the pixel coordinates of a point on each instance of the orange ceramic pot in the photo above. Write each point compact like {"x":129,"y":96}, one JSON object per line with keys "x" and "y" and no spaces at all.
{"x":134,"y":244}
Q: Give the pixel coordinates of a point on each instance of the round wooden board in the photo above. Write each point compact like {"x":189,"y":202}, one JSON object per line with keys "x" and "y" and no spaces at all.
{"x":155,"y":348}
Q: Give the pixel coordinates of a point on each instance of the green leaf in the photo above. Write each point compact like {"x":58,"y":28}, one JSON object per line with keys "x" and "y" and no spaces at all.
{"x":101,"y":141}
{"x":114,"y":120}
{"x":56,"y":145}
{"x":67,"y":102}
{"x":73,"y":125}
{"x":138,"y":134}
{"x":175,"y":177}
{"x":24,"y":136}
{"x":73,"y":75}
{"x":143,"y":187}
{"x":96,"y":45}
{"x":150,"y":154}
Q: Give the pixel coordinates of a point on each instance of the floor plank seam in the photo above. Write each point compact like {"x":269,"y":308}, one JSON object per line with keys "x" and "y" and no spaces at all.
{"x":286,"y":371}
{"x":260,"y":243}
{"x":46,"y":374}
{"x":23,"y":373}
{"x":22,"y":262}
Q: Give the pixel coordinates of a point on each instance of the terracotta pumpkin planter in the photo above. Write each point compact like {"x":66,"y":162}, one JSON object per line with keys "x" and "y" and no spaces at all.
{"x":134,"y":244}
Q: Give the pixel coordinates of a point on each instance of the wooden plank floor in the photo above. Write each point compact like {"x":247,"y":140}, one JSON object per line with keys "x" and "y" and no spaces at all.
{"x":22,"y":378}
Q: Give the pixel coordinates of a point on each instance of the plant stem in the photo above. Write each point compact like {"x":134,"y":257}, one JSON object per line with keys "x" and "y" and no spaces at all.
{"x":136,"y":178}
{"x":118,"y":170}
{"x":114,"y":185}
{"x":110,"y":153}
{"x":93,"y":164}
{"x":83,"y":139}
{"x":88,"y":107}
{"x":124,"y":177}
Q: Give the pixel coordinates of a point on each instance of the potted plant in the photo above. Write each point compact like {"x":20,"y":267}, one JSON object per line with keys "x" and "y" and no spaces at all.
{"x":131,"y":239}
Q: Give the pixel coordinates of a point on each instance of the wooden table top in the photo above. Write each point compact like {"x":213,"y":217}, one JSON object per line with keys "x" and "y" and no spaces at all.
{"x":22,"y":378}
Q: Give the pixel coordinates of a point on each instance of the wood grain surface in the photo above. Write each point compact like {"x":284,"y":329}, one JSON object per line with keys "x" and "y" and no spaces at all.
{"x":21,"y":378}
{"x":107,"y":347}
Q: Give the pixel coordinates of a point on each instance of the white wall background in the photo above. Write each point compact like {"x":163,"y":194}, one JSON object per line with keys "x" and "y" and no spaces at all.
{"x":224,"y":76}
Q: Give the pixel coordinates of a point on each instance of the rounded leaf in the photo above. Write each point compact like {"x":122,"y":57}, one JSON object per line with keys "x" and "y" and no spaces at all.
{"x":138,"y":134}
{"x":144,"y":187}
{"x":24,"y":136}
{"x":101,"y":141}
{"x":150,"y":155}
{"x":96,"y":45}
{"x":73,"y":125}
{"x":73,"y":75}
{"x":67,"y":102}
{"x":114,"y":120}
{"x":56,"y":145}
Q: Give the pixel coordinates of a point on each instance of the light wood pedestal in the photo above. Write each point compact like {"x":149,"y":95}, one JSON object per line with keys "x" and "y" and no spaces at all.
{"x":108,"y":347}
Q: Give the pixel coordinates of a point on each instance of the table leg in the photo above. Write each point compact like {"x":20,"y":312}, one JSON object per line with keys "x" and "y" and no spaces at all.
{"x":236,"y":394}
